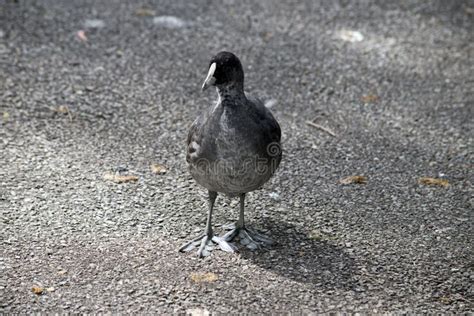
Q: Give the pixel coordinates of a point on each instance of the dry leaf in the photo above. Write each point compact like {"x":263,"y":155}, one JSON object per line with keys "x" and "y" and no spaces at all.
{"x":445,"y":300}
{"x":37,"y":290}
{"x":354,"y":179}
{"x":81,"y":34}
{"x":370,"y":98}
{"x":63,"y":109}
{"x":158,"y":169}
{"x":433,"y":181}
{"x":469,"y":10}
{"x":315,"y":235}
{"x":144,"y":12}
{"x":120,"y":178}
{"x":319,"y":235}
{"x":267,"y":36}
{"x":204,"y":277}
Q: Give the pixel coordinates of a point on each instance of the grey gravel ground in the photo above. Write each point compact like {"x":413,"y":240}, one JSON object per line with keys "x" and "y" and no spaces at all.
{"x":399,"y":95}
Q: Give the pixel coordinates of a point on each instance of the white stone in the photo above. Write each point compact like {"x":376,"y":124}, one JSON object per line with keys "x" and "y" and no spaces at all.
{"x":170,"y":22}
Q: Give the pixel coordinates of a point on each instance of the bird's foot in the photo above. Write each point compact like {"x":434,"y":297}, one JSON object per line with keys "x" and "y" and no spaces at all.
{"x":206,"y":244}
{"x":248,"y":237}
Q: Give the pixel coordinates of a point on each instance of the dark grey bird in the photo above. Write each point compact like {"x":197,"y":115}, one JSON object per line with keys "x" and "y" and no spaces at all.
{"x":232,"y":148}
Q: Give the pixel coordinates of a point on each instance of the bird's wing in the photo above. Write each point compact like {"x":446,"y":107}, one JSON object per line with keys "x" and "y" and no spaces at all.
{"x":193,"y":139}
{"x":192,"y":129}
{"x":267,"y":118}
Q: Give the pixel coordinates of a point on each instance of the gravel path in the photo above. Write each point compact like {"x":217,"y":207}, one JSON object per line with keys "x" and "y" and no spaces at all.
{"x":91,"y":87}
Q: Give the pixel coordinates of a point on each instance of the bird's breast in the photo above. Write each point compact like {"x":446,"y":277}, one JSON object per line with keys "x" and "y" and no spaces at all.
{"x":229,"y":153}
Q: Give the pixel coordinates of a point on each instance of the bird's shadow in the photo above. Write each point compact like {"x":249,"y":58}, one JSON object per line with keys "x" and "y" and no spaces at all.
{"x":304,"y":258}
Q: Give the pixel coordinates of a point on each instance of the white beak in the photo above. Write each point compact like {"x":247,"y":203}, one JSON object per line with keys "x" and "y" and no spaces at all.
{"x":210,"y":79}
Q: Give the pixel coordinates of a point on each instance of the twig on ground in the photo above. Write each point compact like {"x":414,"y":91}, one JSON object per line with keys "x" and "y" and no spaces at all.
{"x":325,"y":129}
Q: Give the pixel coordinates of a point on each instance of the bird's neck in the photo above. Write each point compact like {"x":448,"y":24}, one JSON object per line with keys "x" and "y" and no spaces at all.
{"x":233,"y":91}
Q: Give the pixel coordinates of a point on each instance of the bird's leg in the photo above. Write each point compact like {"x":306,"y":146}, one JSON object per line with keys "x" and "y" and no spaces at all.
{"x":241,"y":223}
{"x":212,"y":200}
{"x":248,"y":237}
{"x":206,"y":241}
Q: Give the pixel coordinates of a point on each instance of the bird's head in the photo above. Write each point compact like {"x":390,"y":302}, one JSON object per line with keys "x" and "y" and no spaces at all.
{"x":225,"y":69}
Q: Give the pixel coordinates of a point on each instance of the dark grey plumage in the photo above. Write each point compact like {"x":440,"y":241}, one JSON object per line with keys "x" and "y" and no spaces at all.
{"x":232,"y":148}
